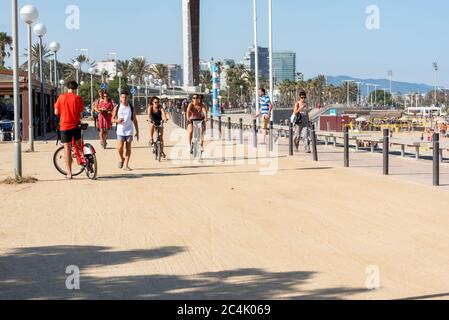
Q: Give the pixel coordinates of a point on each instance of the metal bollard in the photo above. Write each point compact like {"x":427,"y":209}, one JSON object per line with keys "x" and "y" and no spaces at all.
{"x":346,"y":147}
{"x":229,"y":129}
{"x":211,"y":126}
{"x":241,"y":130}
{"x":314,"y":144}
{"x":255,"y":133}
{"x":436,"y":159}
{"x":271,"y":137}
{"x":219,"y":127}
{"x":386,"y":152}
{"x":290,"y":139}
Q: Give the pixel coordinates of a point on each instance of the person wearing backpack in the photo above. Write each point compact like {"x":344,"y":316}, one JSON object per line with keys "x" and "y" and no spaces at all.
{"x":126,"y":120}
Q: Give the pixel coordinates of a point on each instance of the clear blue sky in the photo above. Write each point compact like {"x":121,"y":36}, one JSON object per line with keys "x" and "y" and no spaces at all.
{"x":329,"y":36}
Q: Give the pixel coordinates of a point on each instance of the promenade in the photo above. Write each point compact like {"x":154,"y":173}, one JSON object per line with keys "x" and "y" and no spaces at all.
{"x":225,"y":229}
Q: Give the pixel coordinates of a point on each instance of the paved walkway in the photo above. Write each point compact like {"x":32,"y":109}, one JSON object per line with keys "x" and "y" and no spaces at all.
{"x":180,"y":229}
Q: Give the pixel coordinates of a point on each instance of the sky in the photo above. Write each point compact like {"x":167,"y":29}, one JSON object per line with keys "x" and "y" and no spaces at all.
{"x":329,"y":37}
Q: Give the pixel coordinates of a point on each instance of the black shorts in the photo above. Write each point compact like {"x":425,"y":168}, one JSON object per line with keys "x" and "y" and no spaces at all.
{"x":67,"y":136}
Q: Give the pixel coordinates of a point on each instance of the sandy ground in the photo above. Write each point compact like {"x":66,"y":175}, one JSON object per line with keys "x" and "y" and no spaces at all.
{"x":184,"y":230}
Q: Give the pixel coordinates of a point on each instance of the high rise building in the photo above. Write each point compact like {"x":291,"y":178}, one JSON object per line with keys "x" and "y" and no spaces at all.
{"x":249,"y":60}
{"x":109,"y":66}
{"x":175,"y":73}
{"x":191,"y":42}
{"x":284,"y":66}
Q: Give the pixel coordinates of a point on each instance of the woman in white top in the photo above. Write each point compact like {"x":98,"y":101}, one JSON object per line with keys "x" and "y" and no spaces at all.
{"x":126,"y":120}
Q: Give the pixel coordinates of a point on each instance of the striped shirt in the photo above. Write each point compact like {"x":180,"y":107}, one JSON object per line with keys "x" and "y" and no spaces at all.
{"x":265,"y":105}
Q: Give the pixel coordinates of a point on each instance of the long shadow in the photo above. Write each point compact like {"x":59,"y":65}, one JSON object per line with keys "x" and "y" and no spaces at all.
{"x":431,"y":296}
{"x":40,"y":273}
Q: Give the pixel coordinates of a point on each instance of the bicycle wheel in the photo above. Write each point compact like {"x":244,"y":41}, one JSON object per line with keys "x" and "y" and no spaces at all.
{"x":60,"y":165}
{"x":91,"y":168}
{"x":158,"y":151}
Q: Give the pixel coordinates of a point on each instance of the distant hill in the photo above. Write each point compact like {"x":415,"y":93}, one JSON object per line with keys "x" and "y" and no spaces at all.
{"x":402,"y":87}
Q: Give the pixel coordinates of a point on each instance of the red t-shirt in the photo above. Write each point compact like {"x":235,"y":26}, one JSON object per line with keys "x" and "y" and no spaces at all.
{"x":70,"y":107}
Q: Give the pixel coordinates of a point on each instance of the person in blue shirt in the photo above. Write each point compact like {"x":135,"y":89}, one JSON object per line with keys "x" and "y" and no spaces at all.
{"x":265,"y":109}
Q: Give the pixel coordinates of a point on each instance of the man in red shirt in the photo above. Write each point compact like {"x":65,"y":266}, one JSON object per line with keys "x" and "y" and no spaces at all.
{"x":70,"y":109}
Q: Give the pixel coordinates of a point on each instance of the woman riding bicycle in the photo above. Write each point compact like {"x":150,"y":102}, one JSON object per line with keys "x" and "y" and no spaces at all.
{"x":196,"y":111}
{"x":157,"y":117}
{"x":104,"y":107}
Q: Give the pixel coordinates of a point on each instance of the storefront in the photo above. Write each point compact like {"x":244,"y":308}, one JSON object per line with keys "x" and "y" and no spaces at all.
{"x":43,"y":115}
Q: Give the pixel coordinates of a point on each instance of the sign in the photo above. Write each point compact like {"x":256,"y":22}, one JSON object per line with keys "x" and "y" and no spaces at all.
{"x":104,"y":86}
{"x":333,"y":112}
{"x":133,"y":91}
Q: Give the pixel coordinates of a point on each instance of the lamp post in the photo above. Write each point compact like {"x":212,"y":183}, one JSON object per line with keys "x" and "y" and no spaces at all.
{"x":145,"y":79}
{"x":30,"y":15}
{"x":92,"y":72}
{"x":241,"y":95}
{"x":173,"y":83}
{"x":17,"y":135}
{"x":347,"y":95}
{"x":201,"y":88}
{"x":133,"y":78}
{"x":62,"y":83}
{"x":77,"y":66}
{"x":435,"y":67}
{"x":227,"y":88}
{"x":256,"y":57}
{"x":120,"y":76}
{"x":270,"y":40}
{"x":40,"y":30}
{"x":55,"y":47}
{"x":375,"y":94}
{"x":138,"y":92}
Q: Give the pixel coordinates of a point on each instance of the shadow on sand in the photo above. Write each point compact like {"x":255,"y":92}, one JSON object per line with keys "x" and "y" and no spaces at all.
{"x":39,"y":273}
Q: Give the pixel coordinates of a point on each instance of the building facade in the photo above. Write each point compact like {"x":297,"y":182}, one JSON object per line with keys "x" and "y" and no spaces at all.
{"x":109,"y":66}
{"x":284,"y":66}
{"x":249,"y":60}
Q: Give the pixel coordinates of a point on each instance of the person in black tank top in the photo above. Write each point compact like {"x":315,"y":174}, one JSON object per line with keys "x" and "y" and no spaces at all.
{"x":156,"y":117}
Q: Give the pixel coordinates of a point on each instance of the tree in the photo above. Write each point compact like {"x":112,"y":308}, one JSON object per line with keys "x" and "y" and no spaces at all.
{"x":124,"y":67}
{"x":140,"y":68}
{"x":35,"y":57}
{"x":206,"y":80}
{"x":86,"y":64}
{"x":383,"y":97}
{"x":159,"y":71}
{"x":5,"y":47}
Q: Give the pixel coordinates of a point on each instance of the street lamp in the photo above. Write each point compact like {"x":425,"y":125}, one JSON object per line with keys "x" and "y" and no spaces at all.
{"x":375,"y":94}
{"x":55,"y":47}
{"x":347,"y":96}
{"x":62,"y":83}
{"x":241,"y":94}
{"x":133,"y":78}
{"x":29,"y":15}
{"x":15,"y":61}
{"x":77,"y":66}
{"x":173,"y":83}
{"x":228,"y":87}
{"x":91,"y":72}
{"x":435,"y":67}
{"x":146,"y":80}
{"x":120,"y":76}
{"x":40,"y":31}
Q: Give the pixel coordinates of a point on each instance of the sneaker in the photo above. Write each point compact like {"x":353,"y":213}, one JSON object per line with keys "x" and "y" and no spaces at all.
{"x":120,"y":165}
{"x":163,"y":155}
{"x":128,"y":169}
{"x":191,"y":149}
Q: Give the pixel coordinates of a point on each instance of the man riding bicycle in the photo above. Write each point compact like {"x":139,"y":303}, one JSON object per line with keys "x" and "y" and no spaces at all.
{"x":157,"y":117}
{"x":300,"y":119}
{"x":70,"y":109}
{"x":196,"y":111}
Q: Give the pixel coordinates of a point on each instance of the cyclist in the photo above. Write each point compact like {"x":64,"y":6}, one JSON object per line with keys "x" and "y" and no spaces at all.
{"x":104,"y":107}
{"x":125,"y":117}
{"x":195,"y":112}
{"x":265,"y":111}
{"x":70,"y":108}
{"x":157,"y":117}
{"x":297,"y":117}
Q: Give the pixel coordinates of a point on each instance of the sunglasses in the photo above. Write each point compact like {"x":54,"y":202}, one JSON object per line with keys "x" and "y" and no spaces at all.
{"x":303,"y":97}
{"x":195,"y":98}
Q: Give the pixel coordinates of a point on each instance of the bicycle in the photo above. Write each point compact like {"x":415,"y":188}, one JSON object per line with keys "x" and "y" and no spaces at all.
{"x":196,"y":146}
{"x":84,"y":158}
{"x":157,"y":145}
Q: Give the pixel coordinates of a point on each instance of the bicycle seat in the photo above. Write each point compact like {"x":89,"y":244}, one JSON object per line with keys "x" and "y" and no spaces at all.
{"x":83,"y":126}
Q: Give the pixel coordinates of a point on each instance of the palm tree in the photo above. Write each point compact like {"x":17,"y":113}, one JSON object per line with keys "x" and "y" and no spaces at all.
{"x":35,"y":57}
{"x":140,"y":68}
{"x":206,"y":79}
{"x":124,"y":66}
{"x":5,"y":47}
{"x":86,"y":64}
{"x":159,"y":71}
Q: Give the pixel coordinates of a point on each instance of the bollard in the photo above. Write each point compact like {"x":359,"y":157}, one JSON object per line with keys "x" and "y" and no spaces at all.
{"x":255,"y":133}
{"x":219,"y":127}
{"x":241,"y":130}
{"x":386,"y":152}
{"x":346,"y":147}
{"x":271,"y":136}
{"x":436,"y":159}
{"x":314,"y":142}
{"x":212,"y":126}
{"x":229,"y":129}
{"x":290,"y":139}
